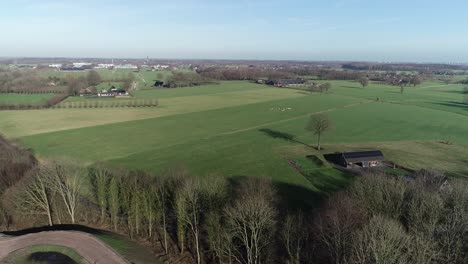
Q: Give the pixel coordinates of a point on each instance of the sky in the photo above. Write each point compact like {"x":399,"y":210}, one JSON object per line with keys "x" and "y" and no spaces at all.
{"x":349,"y":30}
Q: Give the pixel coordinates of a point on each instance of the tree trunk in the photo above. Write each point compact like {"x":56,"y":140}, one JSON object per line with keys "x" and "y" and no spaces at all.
{"x":318,"y":142}
{"x":197,"y":248}
{"x":165,"y":232}
{"x":49,"y":215}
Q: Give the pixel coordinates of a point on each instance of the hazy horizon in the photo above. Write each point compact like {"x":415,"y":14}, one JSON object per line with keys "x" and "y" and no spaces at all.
{"x":352,"y":30}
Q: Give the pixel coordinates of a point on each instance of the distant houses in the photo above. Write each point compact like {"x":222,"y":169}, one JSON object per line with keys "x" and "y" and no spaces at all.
{"x":111,"y":93}
{"x":125,"y":66}
{"x":79,"y":66}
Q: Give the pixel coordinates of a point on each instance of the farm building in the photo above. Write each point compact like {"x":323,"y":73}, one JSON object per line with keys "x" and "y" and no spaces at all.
{"x":285,"y":82}
{"x":363,"y":159}
{"x":89,"y":91}
{"x":158,"y":84}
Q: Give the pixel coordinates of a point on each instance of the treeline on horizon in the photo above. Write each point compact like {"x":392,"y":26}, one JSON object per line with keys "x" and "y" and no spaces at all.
{"x":212,"y":219}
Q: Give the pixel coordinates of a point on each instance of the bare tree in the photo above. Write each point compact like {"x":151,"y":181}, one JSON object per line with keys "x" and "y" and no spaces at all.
{"x":93,"y":77}
{"x":251,"y":220}
{"x":191,"y":193}
{"x":100,"y":179}
{"x":160,"y":188}
{"x":34,"y":195}
{"x":151,"y":209}
{"x":416,"y":80}
{"x":318,"y":124}
{"x":295,"y":236}
{"x":380,"y":195}
{"x":75,"y":85}
{"x":180,"y":206}
{"x":67,"y":182}
{"x":114,"y":201}
{"x":334,"y":226}
{"x":381,"y":241}
{"x":220,"y":240}
{"x":364,"y":81}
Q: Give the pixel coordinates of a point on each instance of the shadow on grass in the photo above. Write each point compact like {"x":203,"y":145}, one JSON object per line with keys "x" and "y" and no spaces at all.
{"x":458,"y":105}
{"x":455,"y":91}
{"x":282,"y":135}
{"x":291,"y":197}
{"x":351,"y":87}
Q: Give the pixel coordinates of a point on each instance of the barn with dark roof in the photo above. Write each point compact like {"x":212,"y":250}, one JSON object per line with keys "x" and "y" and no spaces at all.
{"x":365,"y":159}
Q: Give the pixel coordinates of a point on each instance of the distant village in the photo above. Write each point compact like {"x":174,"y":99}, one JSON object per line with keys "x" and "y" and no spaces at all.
{"x":81,"y":66}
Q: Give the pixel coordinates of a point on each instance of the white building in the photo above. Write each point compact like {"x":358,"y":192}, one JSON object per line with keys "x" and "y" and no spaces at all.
{"x":81,"y":64}
{"x":161,"y":67}
{"x":57,"y":66}
{"x":104,"y":66}
{"x":126,"y":66}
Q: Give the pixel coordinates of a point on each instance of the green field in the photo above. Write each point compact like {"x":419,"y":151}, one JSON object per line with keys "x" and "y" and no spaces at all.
{"x":25,"y":99}
{"x":215,"y":129}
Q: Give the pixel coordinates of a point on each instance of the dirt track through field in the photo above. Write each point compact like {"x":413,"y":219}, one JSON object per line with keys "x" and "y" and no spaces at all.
{"x":294,"y":118}
{"x":90,"y":248}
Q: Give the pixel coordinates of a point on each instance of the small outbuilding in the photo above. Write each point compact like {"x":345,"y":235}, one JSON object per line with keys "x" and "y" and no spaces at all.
{"x":365,"y":159}
{"x":158,"y":84}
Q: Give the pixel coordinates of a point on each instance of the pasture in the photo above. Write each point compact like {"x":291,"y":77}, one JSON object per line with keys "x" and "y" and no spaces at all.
{"x":25,"y":99}
{"x":220,"y":129}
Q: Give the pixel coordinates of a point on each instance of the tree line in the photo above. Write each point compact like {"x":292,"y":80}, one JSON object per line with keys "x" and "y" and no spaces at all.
{"x":111,"y":103}
{"x":243,"y":73}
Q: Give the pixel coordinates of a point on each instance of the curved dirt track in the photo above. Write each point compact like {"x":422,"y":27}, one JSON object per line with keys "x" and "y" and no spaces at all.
{"x":90,"y":248}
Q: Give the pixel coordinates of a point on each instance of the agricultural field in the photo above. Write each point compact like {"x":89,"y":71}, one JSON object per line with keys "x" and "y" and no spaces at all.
{"x":25,"y":99}
{"x":220,"y":129}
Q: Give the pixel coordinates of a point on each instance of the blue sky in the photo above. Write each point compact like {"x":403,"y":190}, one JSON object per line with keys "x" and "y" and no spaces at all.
{"x":376,"y":30}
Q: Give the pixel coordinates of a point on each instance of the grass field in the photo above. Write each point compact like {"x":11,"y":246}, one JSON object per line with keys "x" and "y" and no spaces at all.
{"x":25,"y":99}
{"x":216,"y":129}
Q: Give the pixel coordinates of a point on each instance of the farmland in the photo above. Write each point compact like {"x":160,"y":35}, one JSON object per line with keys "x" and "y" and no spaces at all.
{"x":25,"y":99}
{"x":215,"y":129}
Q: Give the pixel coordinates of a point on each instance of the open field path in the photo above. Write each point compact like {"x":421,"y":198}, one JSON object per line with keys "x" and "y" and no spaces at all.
{"x":90,"y":248}
{"x":294,"y":118}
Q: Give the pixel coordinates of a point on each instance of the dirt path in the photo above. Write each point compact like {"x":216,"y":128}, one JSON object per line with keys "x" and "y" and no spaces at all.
{"x":90,"y":248}
{"x":294,"y":118}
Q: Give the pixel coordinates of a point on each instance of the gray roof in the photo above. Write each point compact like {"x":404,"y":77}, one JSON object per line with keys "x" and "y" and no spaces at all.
{"x":360,"y":156}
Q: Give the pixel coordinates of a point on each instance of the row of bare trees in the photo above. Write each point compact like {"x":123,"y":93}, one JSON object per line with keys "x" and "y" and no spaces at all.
{"x":244,"y":73}
{"x":204,"y":219}
{"x":110,"y":103}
